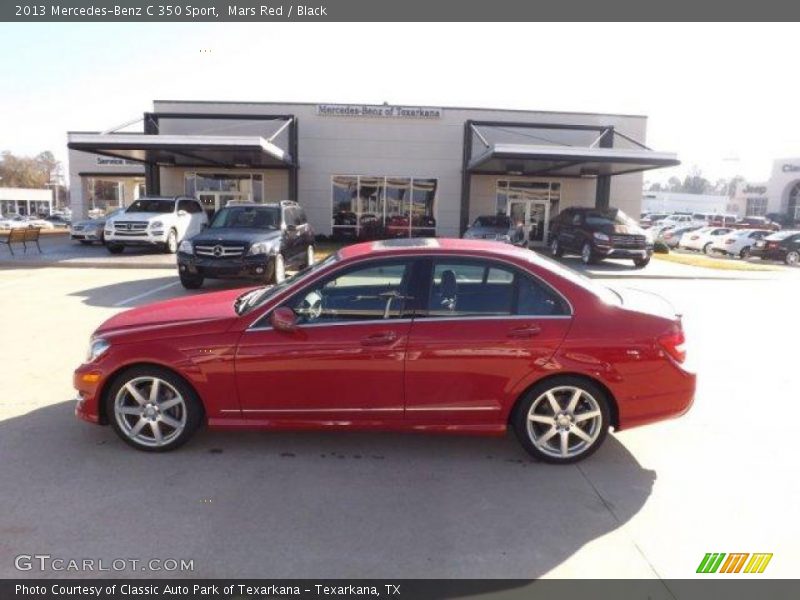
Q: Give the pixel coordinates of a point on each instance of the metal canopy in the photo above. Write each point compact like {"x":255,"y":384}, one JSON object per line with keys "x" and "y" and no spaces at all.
{"x":567,"y":161}
{"x":186,"y":150}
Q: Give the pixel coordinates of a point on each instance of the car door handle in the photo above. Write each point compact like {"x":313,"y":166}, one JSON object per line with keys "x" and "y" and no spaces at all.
{"x":528,"y":331}
{"x":384,"y":338}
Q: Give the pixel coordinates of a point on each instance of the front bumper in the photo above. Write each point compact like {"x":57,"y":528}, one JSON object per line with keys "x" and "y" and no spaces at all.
{"x":88,"y":380}
{"x":87,"y":235}
{"x":157,"y":238}
{"x":258,"y":266}
{"x":614,"y":252}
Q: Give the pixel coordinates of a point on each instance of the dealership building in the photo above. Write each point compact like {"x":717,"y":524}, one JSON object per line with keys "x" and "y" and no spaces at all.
{"x":362,"y":169}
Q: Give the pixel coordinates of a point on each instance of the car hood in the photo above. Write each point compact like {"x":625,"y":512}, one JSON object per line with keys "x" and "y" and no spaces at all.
{"x":141,"y":216}
{"x":212,"y":236}
{"x":189,"y":310}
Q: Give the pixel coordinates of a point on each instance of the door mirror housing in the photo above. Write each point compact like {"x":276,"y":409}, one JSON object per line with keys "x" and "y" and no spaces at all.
{"x":283,"y":319}
{"x":182,"y":213}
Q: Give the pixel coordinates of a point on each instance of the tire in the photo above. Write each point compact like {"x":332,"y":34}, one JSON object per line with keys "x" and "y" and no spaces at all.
{"x":171,"y":247}
{"x":85,"y":242}
{"x":708,"y":249}
{"x":641,"y":263}
{"x":744,"y":252}
{"x":279,"y":269}
{"x":115,"y":248}
{"x":191,"y":281}
{"x":309,"y":255}
{"x":556,"y":251}
{"x":587,"y":256}
{"x":174,"y":421}
{"x":792,"y":258}
{"x":536,"y":434}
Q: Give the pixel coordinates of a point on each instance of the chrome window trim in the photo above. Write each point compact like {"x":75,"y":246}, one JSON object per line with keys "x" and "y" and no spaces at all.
{"x":293,"y":288}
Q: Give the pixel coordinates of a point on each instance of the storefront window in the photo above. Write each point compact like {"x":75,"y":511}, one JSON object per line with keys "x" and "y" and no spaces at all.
{"x":248,"y":185}
{"x":756,"y":207}
{"x":372,"y":207}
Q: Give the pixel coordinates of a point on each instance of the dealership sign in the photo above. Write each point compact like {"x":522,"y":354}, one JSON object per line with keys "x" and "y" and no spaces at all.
{"x":104,"y":161}
{"x":381,"y":111}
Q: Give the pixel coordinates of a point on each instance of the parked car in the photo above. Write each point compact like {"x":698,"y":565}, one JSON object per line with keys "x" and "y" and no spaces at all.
{"x":701,"y":240}
{"x":596,"y":233}
{"x":162,"y":222}
{"x":722,"y":220}
{"x":651,"y":219}
{"x":13,"y":222}
{"x":396,"y":335}
{"x":57,"y":221}
{"x":248,"y":241}
{"x":496,"y":228}
{"x":672,"y":236}
{"x":782,"y":219}
{"x":738,"y":242}
{"x":756,"y":223}
{"x":782,"y":245}
{"x":91,"y":230}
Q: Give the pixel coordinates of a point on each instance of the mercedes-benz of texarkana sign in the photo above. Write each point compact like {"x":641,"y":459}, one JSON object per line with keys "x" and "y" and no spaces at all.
{"x":437,"y":335}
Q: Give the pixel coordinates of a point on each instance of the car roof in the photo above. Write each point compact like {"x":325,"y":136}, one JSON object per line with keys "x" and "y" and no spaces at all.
{"x":408,"y":246}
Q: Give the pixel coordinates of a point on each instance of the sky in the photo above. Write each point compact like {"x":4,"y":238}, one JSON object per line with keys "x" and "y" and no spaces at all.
{"x":722,"y":96}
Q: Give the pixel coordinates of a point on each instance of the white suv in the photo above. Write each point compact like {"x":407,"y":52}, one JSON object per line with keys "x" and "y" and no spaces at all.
{"x":156,"y":221}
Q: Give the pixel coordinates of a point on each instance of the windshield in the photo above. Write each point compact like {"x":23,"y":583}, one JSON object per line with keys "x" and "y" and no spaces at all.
{"x":612,"y":216}
{"x":152,"y":205}
{"x":255,"y":298}
{"x":251,"y":217}
{"x":495,"y":221}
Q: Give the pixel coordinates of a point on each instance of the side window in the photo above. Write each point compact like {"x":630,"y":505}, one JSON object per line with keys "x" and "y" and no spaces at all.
{"x":368,"y":293}
{"x":535,"y":298}
{"x":290,"y":215}
{"x":301,"y":217}
{"x":470,"y":288}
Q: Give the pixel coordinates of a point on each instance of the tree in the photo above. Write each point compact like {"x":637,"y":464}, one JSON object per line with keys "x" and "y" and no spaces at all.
{"x":29,"y":171}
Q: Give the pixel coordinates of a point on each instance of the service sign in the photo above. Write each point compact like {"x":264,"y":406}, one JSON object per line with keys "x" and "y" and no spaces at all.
{"x":381,"y":111}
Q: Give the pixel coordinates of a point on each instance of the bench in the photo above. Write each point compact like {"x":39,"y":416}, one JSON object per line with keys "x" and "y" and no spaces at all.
{"x":22,"y":236}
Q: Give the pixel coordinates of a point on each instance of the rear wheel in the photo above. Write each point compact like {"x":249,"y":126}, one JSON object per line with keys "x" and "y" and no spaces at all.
{"x":115,"y":248}
{"x":708,"y":249}
{"x":562,"y":420}
{"x":641,"y":263}
{"x":153,"y":409}
{"x":792,"y":258}
{"x":744,"y":252}
{"x":191,"y":281}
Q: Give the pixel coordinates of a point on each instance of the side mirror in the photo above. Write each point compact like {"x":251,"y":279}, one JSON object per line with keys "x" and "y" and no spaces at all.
{"x":291,"y":227}
{"x":283,"y":319}
{"x":182,"y":213}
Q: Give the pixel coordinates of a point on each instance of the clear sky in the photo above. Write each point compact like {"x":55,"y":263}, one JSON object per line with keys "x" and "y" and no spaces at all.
{"x":724,"y":97}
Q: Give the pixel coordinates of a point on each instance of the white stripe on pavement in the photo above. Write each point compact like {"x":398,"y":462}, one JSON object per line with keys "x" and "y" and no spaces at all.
{"x":147,"y":293}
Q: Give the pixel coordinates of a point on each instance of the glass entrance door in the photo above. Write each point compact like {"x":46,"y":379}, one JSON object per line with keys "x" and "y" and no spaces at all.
{"x":213,"y":201}
{"x":532,"y":215}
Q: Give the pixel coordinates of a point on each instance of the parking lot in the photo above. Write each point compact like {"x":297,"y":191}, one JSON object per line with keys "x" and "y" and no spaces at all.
{"x":649,"y":504}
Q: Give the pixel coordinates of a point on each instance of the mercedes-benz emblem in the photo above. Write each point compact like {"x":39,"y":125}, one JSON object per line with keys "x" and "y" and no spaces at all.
{"x":130,"y":226}
{"x":218,"y":251}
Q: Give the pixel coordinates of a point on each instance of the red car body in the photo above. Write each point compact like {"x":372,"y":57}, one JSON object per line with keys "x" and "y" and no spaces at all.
{"x":441,"y":375}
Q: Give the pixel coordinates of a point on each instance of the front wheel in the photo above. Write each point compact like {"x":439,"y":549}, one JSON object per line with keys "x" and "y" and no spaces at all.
{"x":708,"y":249}
{"x":744,"y":252}
{"x":153,"y":409}
{"x":587,"y":256}
{"x":562,"y":420}
{"x":115,"y":248}
{"x":171,"y":247}
{"x":555,"y":248}
{"x":278,"y":269}
{"x":641,"y":263}
{"x":792,"y":258}
{"x":309,"y":255}
{"x":190,"y":281}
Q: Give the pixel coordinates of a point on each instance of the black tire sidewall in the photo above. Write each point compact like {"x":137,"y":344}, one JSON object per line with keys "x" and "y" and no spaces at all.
{"x":191,"y":282}
{"x":194,"y":416}
{"x":520,"y":416}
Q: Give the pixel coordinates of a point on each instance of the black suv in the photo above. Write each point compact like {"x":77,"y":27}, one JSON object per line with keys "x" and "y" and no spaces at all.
{"x":248,"y":241}
{"x":598,"y":233}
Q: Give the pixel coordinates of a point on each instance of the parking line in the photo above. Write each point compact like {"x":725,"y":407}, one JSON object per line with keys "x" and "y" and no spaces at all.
{"x":147,"y":293}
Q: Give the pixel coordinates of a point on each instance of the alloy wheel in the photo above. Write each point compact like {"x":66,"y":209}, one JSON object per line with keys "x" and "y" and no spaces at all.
{"x":586,"y":254}
{"x":309,"y":256}
{"x":793,"y":258}
{"x":554,"y":247}
{"x":280,"y":268}
{"x":564,"y":422}
{"x":150,"y":411}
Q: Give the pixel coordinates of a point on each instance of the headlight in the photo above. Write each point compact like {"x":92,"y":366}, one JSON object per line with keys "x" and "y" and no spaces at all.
{"x":156,"y":225}
{"x":97,"y":348}
{"x":186,"y":247}
{"x":259,"y":248}
{"x":601,"y":237}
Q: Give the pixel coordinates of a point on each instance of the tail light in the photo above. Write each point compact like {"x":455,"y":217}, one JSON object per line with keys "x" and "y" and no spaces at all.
{"x":673,"y":344}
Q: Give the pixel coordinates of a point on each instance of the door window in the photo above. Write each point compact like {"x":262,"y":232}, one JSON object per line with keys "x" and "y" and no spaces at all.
{"x":482,"y":288}
{"x":369,"y":293}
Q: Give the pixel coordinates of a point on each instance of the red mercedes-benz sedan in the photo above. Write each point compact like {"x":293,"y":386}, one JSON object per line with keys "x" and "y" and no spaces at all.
{"x":439,"y":335}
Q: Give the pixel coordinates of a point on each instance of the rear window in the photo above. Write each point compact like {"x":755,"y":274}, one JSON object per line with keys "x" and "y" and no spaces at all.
{"x":781,"y":235}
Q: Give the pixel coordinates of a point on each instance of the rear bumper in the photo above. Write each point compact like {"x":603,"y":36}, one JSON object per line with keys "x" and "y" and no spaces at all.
{"x":675,"y":400}
{"x":259,"y":266}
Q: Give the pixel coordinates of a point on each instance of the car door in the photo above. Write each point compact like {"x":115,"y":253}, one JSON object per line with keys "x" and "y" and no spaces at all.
{"x":483,"y":328}
{"x":344,"y":361}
